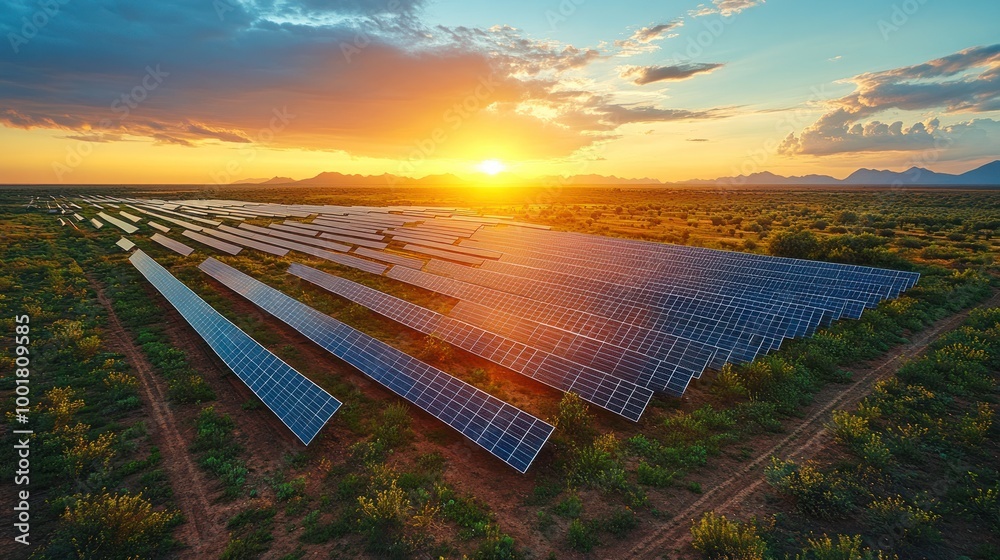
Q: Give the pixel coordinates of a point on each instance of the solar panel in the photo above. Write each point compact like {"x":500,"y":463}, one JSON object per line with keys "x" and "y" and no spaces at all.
{"x":295,"y":230}
{"x":158,"y":226}
{"x":390,"y":258}
{"x":291,"y":245}
{"x":125,"y":244}
{"x":301,"y":405}
{"x":354,"y":241}
{"x":442,"y":254}
{"x":304,"y":239}
{"x":420,"y":234}
{"x":329,"y":226}
{"x":247,"y":242}
{"x":130,"y":217}
{"x":618,"y":395}
{"x":475,"y":252}
{"x":175,"y":246}
{"x":124,"y":226}
{"x":175,"y":221}
{"x":507,"y":432}
{"x":97,"y":224}
{"x":348,"y":232}
{"x":213,"y":243}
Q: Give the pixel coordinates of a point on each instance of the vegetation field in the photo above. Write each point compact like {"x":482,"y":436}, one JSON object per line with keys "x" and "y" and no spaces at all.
{"x":874,"y":439}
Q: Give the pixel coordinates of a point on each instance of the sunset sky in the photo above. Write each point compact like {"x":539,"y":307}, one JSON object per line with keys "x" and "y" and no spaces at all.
{"x":202,"y":91}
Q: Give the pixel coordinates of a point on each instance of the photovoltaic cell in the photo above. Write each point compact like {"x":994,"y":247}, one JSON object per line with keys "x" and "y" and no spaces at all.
{"x":300,"y":404}
{"x":507,"y":432}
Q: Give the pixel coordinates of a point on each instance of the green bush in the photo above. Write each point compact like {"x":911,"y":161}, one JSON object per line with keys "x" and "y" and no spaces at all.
{"x":582,"y":536}
{"x":654,"y":475}
{"x":845,"y":548}
{"x":815,"y":493}
{"x":113,"y":525}
{"x":218,"y":451}
{"x":911,"y":524}
{"x":574,"y":421}
{"x":717,"y":538}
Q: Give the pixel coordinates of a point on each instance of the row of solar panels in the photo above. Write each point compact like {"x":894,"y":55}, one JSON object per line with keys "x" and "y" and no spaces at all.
{"x":505,"y":431}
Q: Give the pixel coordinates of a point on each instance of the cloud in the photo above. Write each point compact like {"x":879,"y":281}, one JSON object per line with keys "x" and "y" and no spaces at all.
{"x":697,"y":139}
{"x":725,"y":8}
{"x":965,"y":82}
{"x":351,"y":79}
{"x":642,"y":75}
{"x":641,"y":39}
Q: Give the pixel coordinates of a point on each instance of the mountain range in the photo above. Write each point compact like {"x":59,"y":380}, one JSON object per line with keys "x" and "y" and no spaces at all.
{"x":988,"y":174}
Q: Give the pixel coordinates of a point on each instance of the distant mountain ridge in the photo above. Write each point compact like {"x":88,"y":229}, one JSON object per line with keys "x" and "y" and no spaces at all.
{"x":988,"y":174}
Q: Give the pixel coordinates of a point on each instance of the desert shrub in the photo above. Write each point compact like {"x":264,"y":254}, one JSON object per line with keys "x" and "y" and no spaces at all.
{"x":582,"y":537}
{"x":717,"y":538}
{"x":393,"y":426}
{"x":794,"y":244}
{"x":218,"y":451}
{"x":113,"y":525}
{"x":654,"y":475}
{"x":815,"y":493}
{"x":844,"y":548}
{"x":573,"y":420}
{"x":434,"y":348}
{"x":571,"y":507}
{"x":911,"y":524}
{"x":598,"y":465}
{"x":620,"y":522}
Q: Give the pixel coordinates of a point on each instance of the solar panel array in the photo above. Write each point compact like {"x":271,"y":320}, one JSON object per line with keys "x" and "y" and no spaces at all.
{"x":301,"y":405}
{"x":612,"y":319}
{"x":507,"y":432}
{"x":616,"y":394}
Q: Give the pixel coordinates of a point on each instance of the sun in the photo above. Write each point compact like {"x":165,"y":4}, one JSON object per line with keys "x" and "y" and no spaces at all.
{"x":492,"y":166}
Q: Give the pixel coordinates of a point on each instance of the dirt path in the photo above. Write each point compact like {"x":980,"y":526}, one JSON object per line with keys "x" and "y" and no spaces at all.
{"x":201,"y":532}
{"x":805,"y":438}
